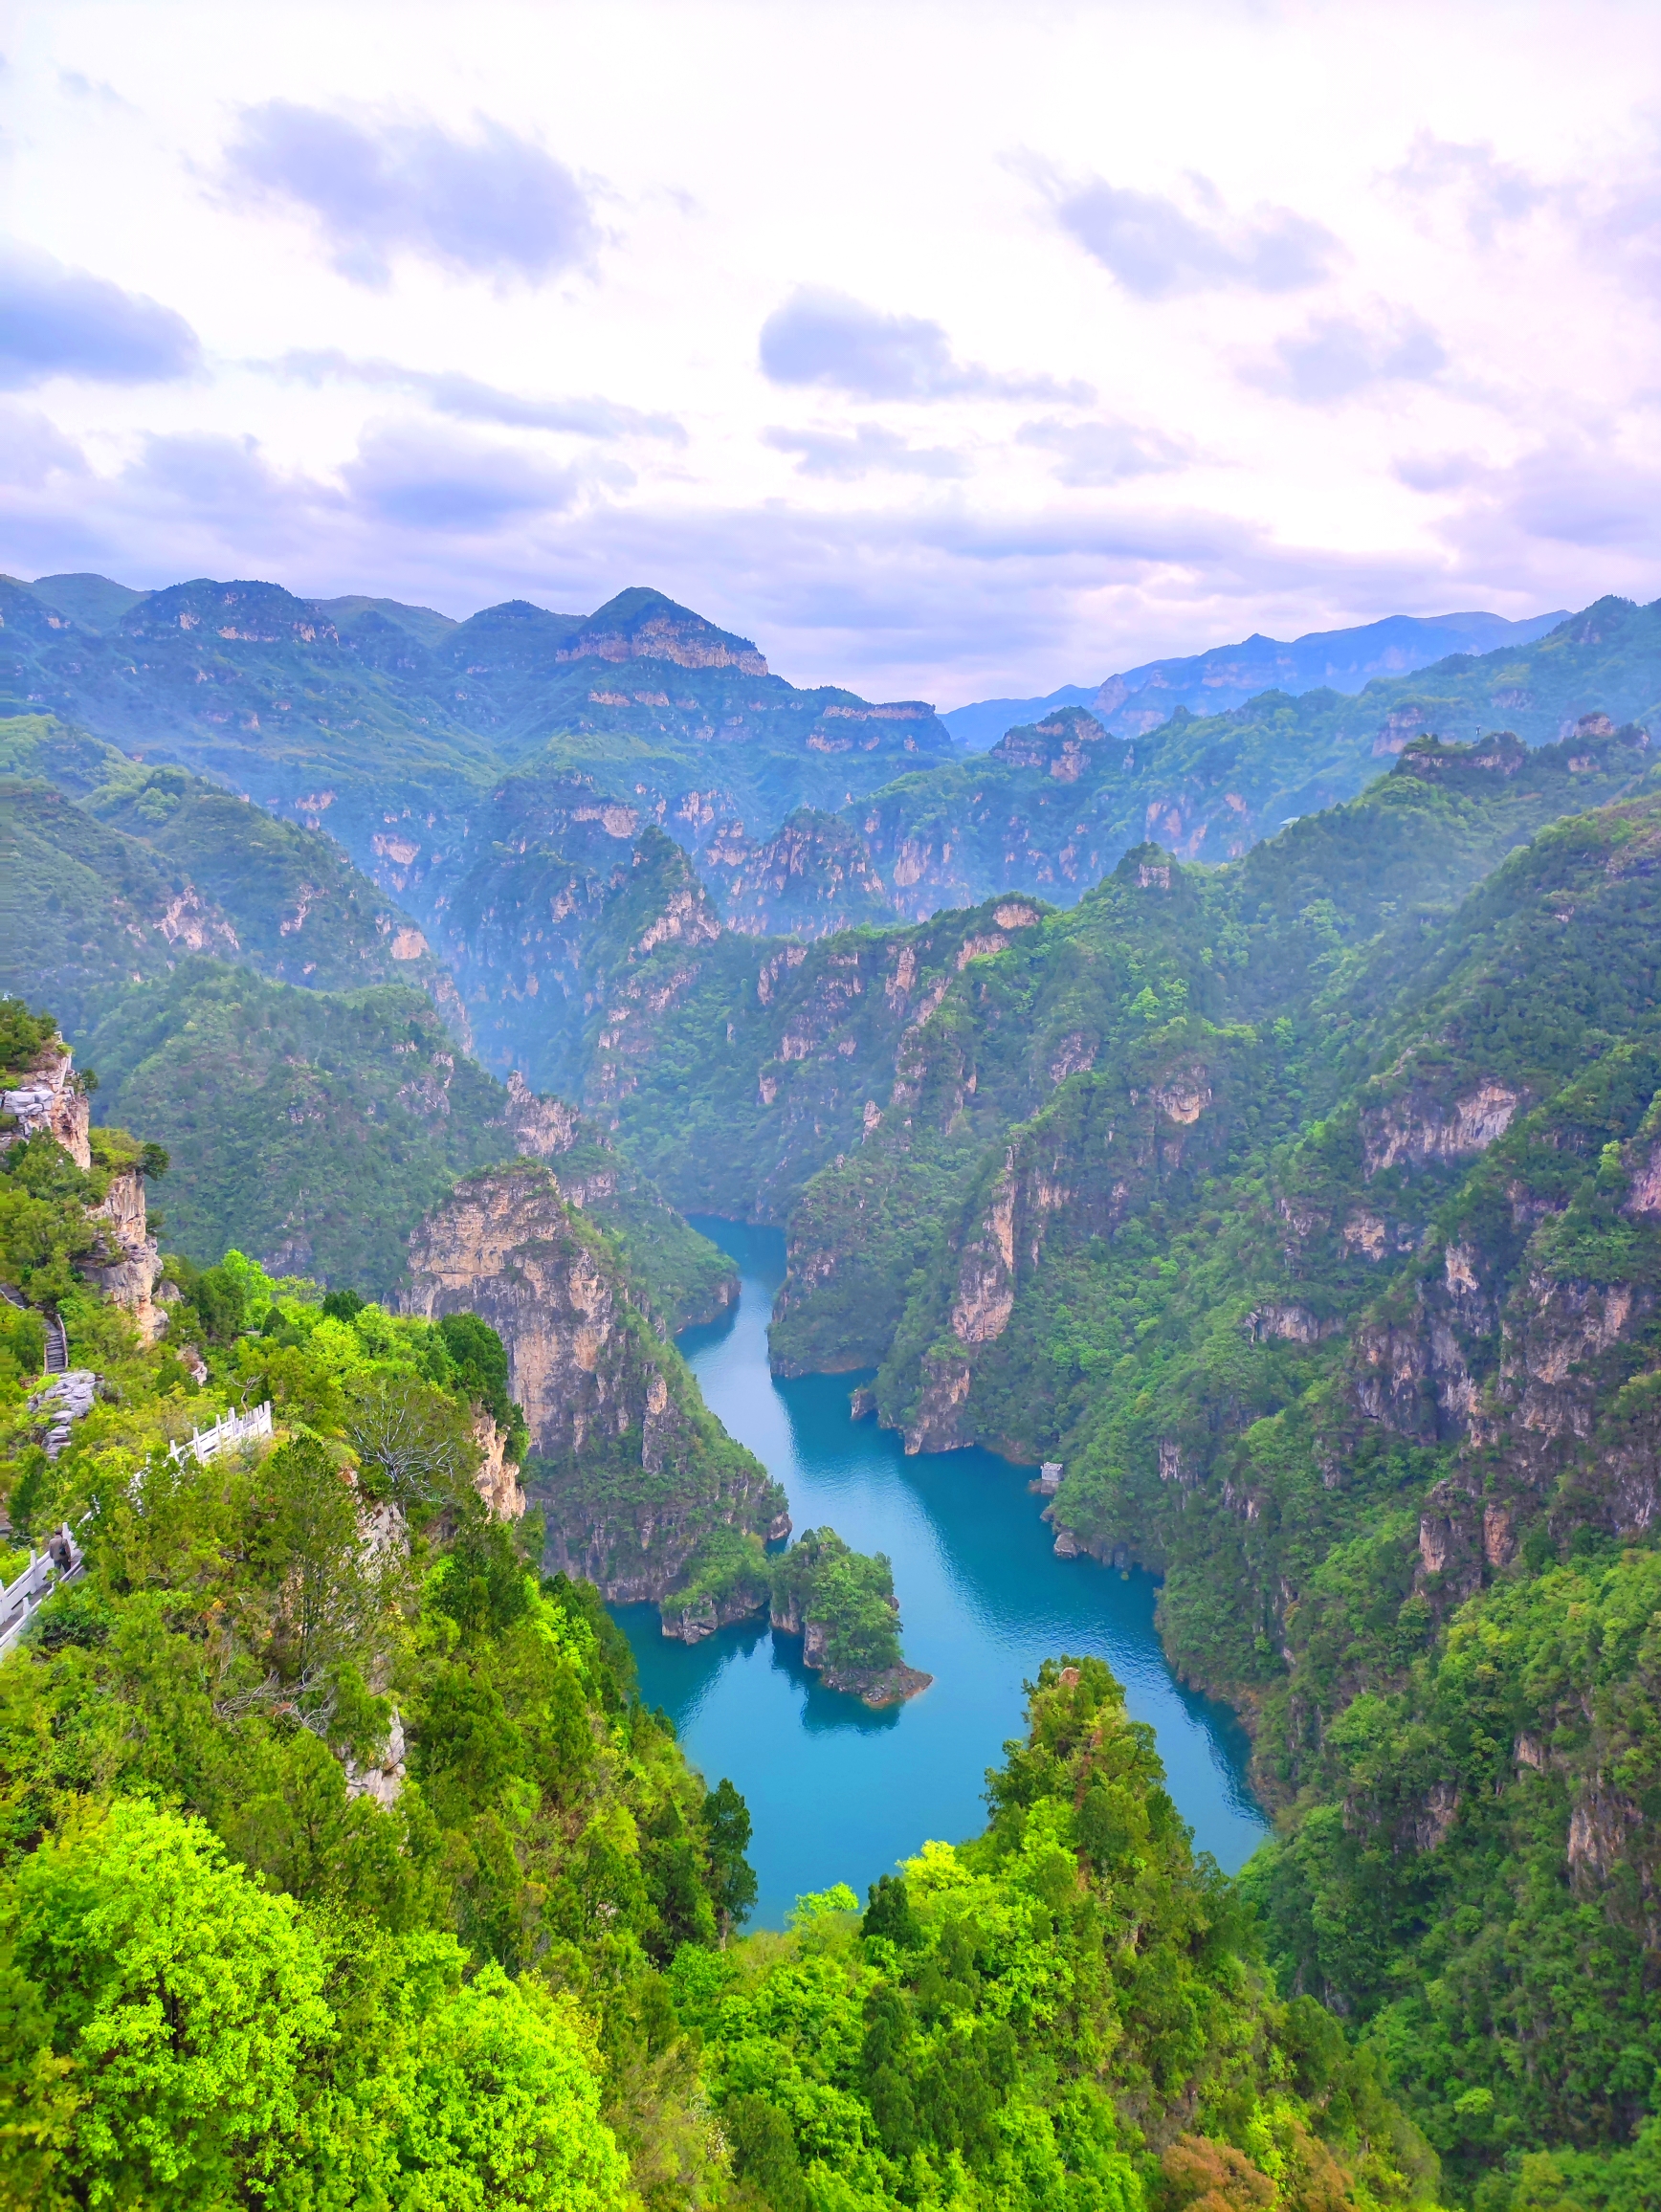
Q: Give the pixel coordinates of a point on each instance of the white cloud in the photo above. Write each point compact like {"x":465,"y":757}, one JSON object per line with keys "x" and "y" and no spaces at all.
{"x":1336,"y":356}
{"x":1439,"y":283}
{"x":491,"y":202}
{"x":868,"y":450}
{"x":1158,"y":249}
{"x":1092,"y":454}
{"x":824,"y":337}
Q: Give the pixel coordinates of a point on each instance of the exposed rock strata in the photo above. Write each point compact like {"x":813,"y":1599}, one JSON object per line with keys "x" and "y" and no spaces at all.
{"x":498,"y":1477}
{"x":49,"y":1102}
{"x":630,"y":1469}
{"x":125,"y":1263}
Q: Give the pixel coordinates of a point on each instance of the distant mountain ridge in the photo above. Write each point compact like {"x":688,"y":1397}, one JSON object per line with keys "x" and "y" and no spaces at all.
{"x":517,"y":788}
{"x":1139,"y":699}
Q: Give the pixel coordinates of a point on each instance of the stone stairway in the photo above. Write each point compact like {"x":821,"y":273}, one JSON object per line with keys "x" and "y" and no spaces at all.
{"x":57,"y":1338}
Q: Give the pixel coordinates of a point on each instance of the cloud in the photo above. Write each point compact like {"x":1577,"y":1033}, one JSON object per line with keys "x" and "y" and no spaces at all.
{"x":826,"y":339}
{"x":495,"y":205}
{"x":1570,"y":491}
{"x":1158,"y":251}
{"x":1103,"y":452}
{"x":33,"y":450}
{"x":73,"y":84}
{"x":218,"y":480}
{"x":1436,"y":472}
{"x":1338,"y":355}
{"x":1491,"y":191}
{"x":59,"y":321}
{"x":406,"y":475}
{"x":467,"y":400}
{"x":868,"y":450}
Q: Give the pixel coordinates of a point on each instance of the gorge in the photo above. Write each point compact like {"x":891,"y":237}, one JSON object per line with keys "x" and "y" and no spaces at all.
{"x":1290,"y":1185}
{"x":838,"y":1793}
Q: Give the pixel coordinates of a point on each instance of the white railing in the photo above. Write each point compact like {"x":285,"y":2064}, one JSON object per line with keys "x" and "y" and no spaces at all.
{"x":20,"y":1601}
{"x":229,"y":1428}
{"x":62,"y":1560}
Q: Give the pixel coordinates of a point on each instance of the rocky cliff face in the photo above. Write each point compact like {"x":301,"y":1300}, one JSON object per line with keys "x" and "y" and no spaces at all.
{"x":630,"y":1468}
{"x":125,"y":1264}
{"x":497,"y":1478}
{"x":48,"y":1101}
{"x":813,"y":875}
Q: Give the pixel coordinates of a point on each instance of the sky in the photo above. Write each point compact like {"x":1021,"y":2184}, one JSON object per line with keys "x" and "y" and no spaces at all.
{"x":946,"y":350}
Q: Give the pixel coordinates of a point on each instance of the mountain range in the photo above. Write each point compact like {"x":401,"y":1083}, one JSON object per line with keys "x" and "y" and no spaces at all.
{"x":1259,"y":1115}
{"x":1137,"y":700}
{"x":499,"y":782}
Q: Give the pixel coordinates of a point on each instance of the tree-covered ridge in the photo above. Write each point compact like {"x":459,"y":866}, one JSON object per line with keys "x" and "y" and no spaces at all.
{"x":299,"y":1782}
{"x":739,"y":1071}
{"x":25,"y":1037}
{"x":1067,"y":2011}
{"x":318,"y":1128}
{"x":341,"y":1866}
{"x":1137,"y":700}
{"x":1336,"y":1373}
{"x":495,"y":777}
{"x":399,"y":734}
{"x":1050,"y":814}
{"x":119,"y":868}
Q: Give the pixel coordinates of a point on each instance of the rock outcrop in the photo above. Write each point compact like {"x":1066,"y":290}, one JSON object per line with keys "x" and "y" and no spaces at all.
{"x":630,"y":1469}
{"x":877,"y":1687}
{"x":125,"y":1264}
{"x":497,"y":1478}
{"x":50,"y":1100}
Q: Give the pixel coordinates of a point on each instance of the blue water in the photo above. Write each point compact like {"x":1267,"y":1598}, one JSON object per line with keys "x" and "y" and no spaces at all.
{"x":838,"y":1793}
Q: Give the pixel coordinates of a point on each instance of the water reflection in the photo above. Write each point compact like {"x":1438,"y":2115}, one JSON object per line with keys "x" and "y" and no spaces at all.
{"x":839,"y":1792}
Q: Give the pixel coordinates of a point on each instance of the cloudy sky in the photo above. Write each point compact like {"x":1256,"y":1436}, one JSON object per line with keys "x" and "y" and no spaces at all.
{"x":946,"y":350}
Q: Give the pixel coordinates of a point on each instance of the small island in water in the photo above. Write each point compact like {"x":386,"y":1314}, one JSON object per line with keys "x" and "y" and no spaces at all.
{"x":840,"y":1602}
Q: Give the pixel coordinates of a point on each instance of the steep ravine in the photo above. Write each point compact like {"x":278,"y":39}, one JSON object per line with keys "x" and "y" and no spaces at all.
{"x":629,"y":1468}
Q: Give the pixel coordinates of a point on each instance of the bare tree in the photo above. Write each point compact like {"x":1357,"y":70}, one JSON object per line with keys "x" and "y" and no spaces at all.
{"x":414,"y":1445}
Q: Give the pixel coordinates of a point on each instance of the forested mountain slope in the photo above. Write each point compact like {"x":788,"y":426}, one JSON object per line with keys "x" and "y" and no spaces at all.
{"x":738,"y":1069}
{"x":1052,"y":806}
{"x":1305,"y":1209}
{"x":398,"y":735}
{"x":341,"y":1864}
{"x":1046,"y":812}
{"x":495,"y":777}
{"x":318,"y":1124}
{"x":318,"y":1128}
{"x":117,"y":869}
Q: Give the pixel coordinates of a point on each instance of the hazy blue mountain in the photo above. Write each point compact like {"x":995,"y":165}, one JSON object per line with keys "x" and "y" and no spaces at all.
{"x":95,"y":602}
{"x":421,"y":744}
{"x":1228,"y":675}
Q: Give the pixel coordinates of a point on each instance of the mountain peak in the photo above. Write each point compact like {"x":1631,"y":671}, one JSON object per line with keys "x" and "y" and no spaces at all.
{"x":247,"y":611}
{"x":95,"y":602}
{"x":641,"y":624}
{"x":1055,"y":745}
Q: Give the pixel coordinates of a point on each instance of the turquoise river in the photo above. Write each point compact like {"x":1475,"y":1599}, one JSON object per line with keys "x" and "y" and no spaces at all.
{"x":837,"y":1792}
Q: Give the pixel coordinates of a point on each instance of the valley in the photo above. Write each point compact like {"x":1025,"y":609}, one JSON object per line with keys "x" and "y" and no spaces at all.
{"x":1254,"y":1115}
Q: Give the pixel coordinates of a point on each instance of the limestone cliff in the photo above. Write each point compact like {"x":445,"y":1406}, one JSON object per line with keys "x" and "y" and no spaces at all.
{"x":125,"y":1263}
{"x":813,"y":875}
{"x":49,"y":1100}
{"x":498,"y":1477}
{"x":629,"y":1467}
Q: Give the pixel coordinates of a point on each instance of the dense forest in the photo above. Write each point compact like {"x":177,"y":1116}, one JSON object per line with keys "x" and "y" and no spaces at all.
{"x":1299,"y":1193}
{"x":1305,"y":1210}
{"x":341,"y":1863}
